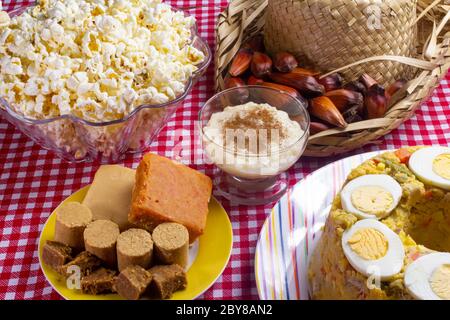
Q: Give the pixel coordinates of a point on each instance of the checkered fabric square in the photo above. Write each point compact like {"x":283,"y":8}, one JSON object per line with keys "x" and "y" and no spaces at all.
{"x":33,"y":181}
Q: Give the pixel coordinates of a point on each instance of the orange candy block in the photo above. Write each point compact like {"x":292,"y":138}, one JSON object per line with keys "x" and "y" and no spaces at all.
{"x":166,"y":191}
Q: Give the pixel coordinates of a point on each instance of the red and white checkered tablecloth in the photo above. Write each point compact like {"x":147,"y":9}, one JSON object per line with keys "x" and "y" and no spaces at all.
{"x":33,"y":181}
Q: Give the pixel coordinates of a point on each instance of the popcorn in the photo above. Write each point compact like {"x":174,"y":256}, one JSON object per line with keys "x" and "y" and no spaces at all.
{"x":95,"y":59}
{"x":4,"y":19}
{"x":11,"y":66}
{"x":62,"y":100}
{"x":32,"y":87}
{"x":76,"y":79}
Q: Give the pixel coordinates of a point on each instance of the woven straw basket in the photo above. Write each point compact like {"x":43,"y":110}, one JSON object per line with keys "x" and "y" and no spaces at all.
{"x":329,"y":34}
{"x":414,"y":43}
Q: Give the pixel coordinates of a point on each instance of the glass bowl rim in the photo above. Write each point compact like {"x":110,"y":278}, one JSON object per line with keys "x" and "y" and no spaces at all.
{"x":276,"y":91}
{"x":188,"y":85}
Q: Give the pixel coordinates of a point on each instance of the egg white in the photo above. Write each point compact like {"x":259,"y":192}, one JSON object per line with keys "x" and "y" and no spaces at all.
{"x":419,"y":272}
{"x":381,"y":180}
{"x":421,"y":164}
{"x":385,"y":267}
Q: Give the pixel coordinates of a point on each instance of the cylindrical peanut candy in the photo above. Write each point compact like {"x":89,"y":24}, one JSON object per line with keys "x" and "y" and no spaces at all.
{"x":100,"y":237}
{"x":134,"y":247}
{"x":171,"y":241}
{"x":71,"y":220}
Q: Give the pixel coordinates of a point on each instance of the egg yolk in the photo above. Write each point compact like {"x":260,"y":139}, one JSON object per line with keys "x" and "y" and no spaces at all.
{"x":441,"y":166}
{"x":369,"y":244}
{"x":372,"y":199}
{"x":440,"y":282}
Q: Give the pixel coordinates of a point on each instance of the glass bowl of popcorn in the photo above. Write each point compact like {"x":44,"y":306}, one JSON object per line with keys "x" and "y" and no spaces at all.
{"x":93,"y":80}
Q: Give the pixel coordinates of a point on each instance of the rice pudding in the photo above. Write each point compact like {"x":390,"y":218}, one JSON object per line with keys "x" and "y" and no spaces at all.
{"x":253,"y":141}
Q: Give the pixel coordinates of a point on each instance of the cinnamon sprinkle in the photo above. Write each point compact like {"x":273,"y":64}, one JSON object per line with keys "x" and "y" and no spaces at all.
{"x":257,"y":121}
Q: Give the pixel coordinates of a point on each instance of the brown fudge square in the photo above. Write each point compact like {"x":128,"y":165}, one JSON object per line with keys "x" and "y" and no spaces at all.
{"x":166,"y":280}
{"x":166,"y":191}
{"x":132,"y":282}
{"x":100,"y":281}
{"x":55,"y":254}
{"x":86,"y":261}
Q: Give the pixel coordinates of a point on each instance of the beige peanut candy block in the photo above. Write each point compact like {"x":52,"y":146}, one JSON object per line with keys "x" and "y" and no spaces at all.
{"x":100,"y":237}
{"x":109,"y":196}
{"x":71,"y":221}
{"x":134,"y":247}
{"x":171,"y":241}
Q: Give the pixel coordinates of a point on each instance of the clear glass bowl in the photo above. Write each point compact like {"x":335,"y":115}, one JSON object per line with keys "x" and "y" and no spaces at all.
{"x":257,"y":177}
{"x":75,"y":139}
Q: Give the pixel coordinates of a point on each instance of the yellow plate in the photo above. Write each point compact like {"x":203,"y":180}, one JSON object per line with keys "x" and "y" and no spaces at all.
{"x":213,"y":254}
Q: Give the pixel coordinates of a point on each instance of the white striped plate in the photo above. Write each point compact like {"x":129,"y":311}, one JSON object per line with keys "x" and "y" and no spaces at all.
{"x":291,"y":231}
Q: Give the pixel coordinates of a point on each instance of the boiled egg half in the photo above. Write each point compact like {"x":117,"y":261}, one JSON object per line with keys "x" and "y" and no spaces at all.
{"x":373,"y":249}
{"x":432,"y":166}
{"x":371,"y":196}
{"x":428,"y":278}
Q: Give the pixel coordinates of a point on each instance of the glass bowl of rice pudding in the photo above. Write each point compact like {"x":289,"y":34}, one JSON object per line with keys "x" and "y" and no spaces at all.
{"x":253,"y":134}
